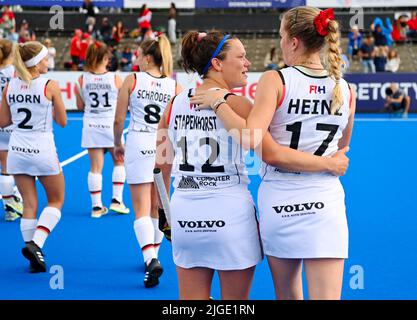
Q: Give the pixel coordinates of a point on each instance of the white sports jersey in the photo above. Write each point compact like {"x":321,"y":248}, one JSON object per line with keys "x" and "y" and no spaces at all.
{"x":6,"y":74}
{"x":148,"y":100}
{"x":303,"y":120}
{"x":206,"y":156}
{"x":30,"y":109}
{"x":99,"y":92}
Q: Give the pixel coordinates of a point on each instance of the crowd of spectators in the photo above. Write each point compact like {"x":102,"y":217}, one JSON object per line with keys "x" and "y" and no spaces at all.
{"x":374,"y":47}
{"x":124,"y":54}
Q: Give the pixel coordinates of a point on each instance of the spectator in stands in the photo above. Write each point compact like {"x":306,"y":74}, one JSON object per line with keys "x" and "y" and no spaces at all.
{"x":90,"y":27}
{"x":86,"y":40}
{"x":89,"y":10}
{"x":135,"y":60}
{"x":7,"y":21}
{"x":118,"y":33}
{"x":51,"y":54}
{"x":25,"y":33}
{"x":126,"y":59}
{"x":113,"y":61}
{"x":412,"y":26}
{"x":271,"y":60}
{"x":397,"y":100}
{"x":75,"y":49}
{"x":393,"y":61}
{"x":367,"y":53}
{"x":400,"y":29}
{"x":172,"y":23}
{"x":386,"y":30}
{"x":144,"y":20}
{"x":379,"y":38}
{"x":13,"y":36}
{"x":355,"y":42}
{"x":105,"y":32}
{"x":380,"y":58}
{"x":149,"y":35}
{"x":346,"y":62}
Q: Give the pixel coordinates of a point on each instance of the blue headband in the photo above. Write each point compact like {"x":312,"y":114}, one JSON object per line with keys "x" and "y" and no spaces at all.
{"x":216,"y":52}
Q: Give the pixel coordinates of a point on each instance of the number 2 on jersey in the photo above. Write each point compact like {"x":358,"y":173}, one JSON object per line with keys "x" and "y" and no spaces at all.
{"x":28,"y":116}
{"x":295,"y":128}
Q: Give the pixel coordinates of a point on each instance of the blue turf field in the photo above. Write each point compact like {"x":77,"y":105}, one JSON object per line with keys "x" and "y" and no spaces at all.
{"x":102,"y":260}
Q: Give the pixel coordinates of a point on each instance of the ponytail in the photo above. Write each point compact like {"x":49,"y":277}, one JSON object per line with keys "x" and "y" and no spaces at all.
{"x":6,"y":48}
{"x":334,"y":64}
{"x":95,"y":55}
{"x":25,"y":52}
{"x":160,"y":51}
{"x":166,"y":55}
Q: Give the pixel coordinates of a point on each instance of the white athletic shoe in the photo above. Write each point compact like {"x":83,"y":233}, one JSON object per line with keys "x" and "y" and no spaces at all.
{"x":10,"y":215}
{"x":118,"y":207}
{"x":97,"y":212}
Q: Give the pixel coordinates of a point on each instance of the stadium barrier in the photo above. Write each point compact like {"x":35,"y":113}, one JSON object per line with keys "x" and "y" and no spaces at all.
{"x":370,"y":88}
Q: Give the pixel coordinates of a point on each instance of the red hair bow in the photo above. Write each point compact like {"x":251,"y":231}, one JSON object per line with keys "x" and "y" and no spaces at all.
{"x":321,"y":22}
{"x":97,"y":44}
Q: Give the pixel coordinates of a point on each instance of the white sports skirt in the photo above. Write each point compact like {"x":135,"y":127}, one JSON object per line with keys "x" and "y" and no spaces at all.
{"x":97,"y":133}
{"x":303,"y":219}
{"x":140,"y":151}
{"x":4,"y":138}
{"x":216,"y":230}
{"x":33,"y":154}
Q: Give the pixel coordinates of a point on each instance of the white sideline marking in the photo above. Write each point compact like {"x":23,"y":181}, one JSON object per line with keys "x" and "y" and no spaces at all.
{"x":79,"y":155}
{"x":384,"y":120}
{"x":81,"y":119}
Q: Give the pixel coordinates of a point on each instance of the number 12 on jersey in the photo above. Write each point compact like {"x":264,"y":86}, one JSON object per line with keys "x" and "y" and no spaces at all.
{"x":207,"y":167}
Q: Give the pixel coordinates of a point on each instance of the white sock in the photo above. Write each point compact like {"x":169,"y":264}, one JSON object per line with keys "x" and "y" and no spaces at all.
{"x":159,"y":235}
{"x":95,"y":181}
{"x":28,"y":227}
{"x":49,"y":218}
{"x":119,"y":177}
{"x":145,"y":235}
{"x":6,"y":188}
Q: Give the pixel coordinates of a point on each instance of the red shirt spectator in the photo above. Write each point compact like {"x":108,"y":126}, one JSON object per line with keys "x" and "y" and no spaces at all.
{"x":75,"y":48}
{"x":412,"y":23}
{"x":9,"y":13}
{"x":145,"y":18}
{"x":118,"y":32}
{"x":85,"y":42}
{"x":398,"y":31}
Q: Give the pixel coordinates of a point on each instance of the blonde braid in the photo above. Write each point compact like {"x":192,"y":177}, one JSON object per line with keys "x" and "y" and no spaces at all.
{"x":334,"y":63}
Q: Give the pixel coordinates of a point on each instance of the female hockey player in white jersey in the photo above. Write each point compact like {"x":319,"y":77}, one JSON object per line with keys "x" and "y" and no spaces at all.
{"x":98,"y":98}
{"x":12,"y":203}
{"x":146,"y":94}
{"x":31,"y":103}
{"x":214,"y":224}
{"x":309,"y":108}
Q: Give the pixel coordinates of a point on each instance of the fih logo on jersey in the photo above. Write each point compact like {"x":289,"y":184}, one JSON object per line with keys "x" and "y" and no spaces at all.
{"x":298,"y":209}
{"x":317,"y":89}
{"x":201,"y":225}
{"x":188,"y":183}
{"x":156,"y":84}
